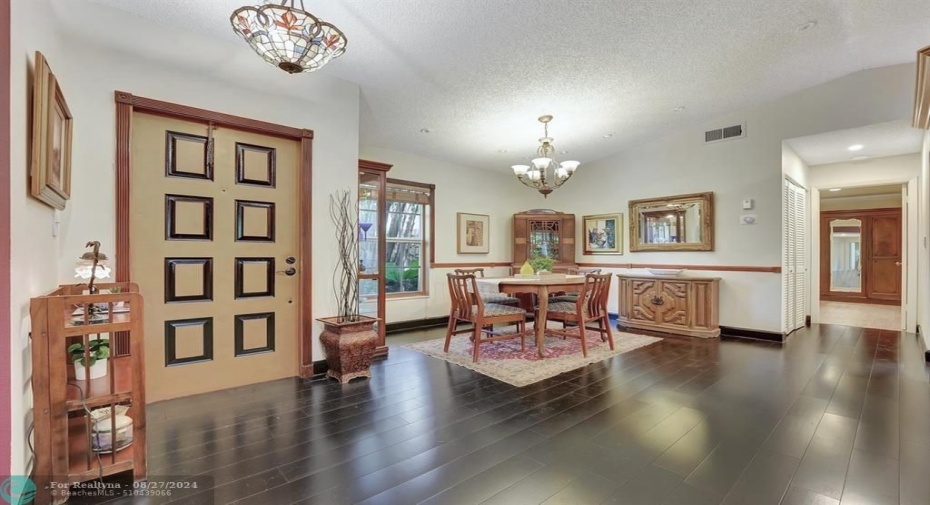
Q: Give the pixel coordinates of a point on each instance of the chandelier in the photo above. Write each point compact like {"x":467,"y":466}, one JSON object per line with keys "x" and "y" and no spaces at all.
{"x":292,"y":39}
{"x":546,"y":174}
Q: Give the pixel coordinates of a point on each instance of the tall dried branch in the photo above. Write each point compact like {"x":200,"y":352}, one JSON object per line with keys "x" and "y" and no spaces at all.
{"x":344,"y":213}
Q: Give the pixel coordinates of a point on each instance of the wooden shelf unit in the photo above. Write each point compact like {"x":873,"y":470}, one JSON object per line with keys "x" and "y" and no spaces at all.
{"x":63,"y":428}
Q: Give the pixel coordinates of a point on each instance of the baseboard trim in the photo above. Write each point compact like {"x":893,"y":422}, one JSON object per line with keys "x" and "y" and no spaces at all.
{"x":416,"y":324}
{"x":319,"y":368}
{"x":768,"y":336}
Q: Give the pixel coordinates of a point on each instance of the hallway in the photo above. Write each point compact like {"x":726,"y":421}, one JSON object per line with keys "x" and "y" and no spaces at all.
{"x":863,"y":315}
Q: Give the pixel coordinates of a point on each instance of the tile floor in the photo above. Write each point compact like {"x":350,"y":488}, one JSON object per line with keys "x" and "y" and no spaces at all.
{"x":862,"y":315}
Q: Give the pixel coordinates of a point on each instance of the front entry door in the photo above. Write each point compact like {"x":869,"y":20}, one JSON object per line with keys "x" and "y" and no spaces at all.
{"x":214,"y":241}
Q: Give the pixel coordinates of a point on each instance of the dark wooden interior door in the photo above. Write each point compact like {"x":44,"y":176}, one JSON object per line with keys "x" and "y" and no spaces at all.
{"x":873,"y":270}
{"x":884,"y":275}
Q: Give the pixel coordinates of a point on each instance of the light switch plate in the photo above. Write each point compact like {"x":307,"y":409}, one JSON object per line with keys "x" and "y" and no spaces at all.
{"x":747,"y":219}
{"x":747,"y":204}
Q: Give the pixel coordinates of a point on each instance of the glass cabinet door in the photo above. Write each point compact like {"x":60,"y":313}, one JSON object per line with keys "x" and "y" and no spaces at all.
{"x":372,"y":179}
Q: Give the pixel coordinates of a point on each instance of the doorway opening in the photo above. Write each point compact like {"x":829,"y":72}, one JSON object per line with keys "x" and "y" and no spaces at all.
{"x":861,"y":256}
{"x":861,"y":239}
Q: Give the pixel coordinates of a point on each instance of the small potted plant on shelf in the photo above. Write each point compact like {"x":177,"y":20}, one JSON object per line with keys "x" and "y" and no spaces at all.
{"x":349,"y":339}
{"x":96,"y":358}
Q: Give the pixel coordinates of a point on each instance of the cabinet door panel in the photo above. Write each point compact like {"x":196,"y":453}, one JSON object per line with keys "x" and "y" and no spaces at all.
{"x":519,"y":239}
{"x":644,"y":292}
{"x":674,"y":309}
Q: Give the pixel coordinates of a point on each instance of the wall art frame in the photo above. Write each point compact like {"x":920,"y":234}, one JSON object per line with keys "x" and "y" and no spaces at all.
{"x":473,"y":233}
{"x":602,"y":233}
{"x":52,"y":124}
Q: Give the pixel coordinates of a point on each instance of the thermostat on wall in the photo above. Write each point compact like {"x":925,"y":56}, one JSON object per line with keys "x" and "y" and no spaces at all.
{"x":747,"y":219}
{"x":747,"y":204}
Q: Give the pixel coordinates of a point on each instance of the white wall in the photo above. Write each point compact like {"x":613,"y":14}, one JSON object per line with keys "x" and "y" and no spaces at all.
{"x":750,"y":167}
{"x":34,"y":251}
{"x":458,"y":189}
{"x":870,"y":172}
{"x":903,"y":169}
{"x":923,"y":257}
{"x":88,"y":76}
{"x":890,"y":201}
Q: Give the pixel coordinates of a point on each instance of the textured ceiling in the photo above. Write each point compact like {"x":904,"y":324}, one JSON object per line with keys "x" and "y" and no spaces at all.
{"x":477,"y":73}
{"x":885,"y":139}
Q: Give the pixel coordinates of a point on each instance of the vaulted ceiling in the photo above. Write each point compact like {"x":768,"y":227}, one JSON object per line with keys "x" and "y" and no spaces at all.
{"x":477,"y":73}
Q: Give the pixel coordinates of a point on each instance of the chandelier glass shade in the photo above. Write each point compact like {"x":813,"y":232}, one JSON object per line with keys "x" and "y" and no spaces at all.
{"x":292,"y":39}
{"x":545,"y":174}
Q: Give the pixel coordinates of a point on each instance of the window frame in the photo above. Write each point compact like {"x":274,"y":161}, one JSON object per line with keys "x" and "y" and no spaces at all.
{"x":427,"y":243}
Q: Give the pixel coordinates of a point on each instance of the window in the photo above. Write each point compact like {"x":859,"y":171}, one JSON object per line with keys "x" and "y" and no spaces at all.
{"x":408,"y":228}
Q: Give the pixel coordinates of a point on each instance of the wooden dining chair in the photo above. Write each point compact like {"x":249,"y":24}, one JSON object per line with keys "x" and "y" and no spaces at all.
{"x":467,"y":308}
{"x":591,"y":307}
{"x":500,"y":298}
{"x":572,"y":296}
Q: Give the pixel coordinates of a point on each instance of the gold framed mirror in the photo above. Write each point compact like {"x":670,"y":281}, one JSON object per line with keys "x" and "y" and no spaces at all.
{"x":673,"y":223}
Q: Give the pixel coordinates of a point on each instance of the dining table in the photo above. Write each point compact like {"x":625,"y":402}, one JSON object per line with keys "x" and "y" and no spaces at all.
{"x":539,"y":285}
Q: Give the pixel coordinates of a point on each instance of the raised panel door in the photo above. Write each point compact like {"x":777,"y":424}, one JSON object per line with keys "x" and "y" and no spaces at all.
{"x":674,"y":309}
{"x":644,"y":294}
{"x":214,"y":229}
{"x":885,"y":258}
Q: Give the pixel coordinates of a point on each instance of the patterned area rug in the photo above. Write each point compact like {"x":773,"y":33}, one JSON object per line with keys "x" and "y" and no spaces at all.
{"x":505,"y":361}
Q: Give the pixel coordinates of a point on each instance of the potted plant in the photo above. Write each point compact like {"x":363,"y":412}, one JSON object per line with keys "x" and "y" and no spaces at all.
{"x":96,"y":358}
{"x":542,"y":264}
{"x":349,"y":339}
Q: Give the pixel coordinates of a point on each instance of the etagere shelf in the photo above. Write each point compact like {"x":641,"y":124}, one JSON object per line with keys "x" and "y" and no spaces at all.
{"x":71,"y":446}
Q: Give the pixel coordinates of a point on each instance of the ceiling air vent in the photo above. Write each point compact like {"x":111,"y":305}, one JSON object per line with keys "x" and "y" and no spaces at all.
{"x":725,"y":133}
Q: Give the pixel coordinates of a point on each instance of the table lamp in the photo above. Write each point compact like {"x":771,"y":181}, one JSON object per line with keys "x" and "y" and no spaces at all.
{"x":92,"y":265}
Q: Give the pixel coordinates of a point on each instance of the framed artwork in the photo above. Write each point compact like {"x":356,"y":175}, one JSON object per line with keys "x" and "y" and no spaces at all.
{"x":603,"y":234}
{"x":50,"y":172}
{"x":474,"y":233}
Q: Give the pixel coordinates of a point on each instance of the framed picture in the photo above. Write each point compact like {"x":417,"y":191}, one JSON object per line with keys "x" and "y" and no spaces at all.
{"x":474,"y":233}
{"x":50,"y":173}
{"x":603,"y":234}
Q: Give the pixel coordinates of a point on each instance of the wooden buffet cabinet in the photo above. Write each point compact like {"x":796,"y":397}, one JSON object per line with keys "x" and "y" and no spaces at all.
{"x":682,"y":305}
{"x":544,"y":233}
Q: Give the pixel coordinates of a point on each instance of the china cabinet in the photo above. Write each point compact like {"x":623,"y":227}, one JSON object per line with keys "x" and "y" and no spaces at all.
{"x":372,"y":212}
{"x":89,"y":421}
{"x":544,"y":233}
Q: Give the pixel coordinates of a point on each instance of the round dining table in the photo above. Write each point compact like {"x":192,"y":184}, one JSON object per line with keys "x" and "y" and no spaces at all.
{"x":540,"y":286}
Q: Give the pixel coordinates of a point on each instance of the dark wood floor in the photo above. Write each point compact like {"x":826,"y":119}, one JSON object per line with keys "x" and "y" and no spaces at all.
{"x":836,"y":415}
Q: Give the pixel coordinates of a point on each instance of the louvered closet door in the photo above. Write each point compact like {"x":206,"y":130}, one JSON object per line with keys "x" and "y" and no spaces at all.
{"x":794,"y":256}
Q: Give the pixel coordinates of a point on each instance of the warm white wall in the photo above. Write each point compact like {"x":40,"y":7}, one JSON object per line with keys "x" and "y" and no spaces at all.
{"x":923,"y":256}
{"x":870,"y":172}
{"x":903,"y":169}
{"x":750,"y":167}
{"x":458,"y":189}
{"x":34,"y":251}
{"x":88,"y":76}
{"x":859,"y":203}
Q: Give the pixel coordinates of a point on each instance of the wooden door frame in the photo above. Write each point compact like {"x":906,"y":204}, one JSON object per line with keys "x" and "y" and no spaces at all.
{"x":127,"y":103}
{"x":865,"y":216}
{"x":6,"y":337}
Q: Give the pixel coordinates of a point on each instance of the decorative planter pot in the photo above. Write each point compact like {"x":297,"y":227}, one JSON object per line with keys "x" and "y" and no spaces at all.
{"x":349,"y":347}
{"x":97,"y":370}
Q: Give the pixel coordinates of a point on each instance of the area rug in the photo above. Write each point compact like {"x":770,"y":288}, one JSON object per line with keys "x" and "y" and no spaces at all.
{"x":505,"y":361}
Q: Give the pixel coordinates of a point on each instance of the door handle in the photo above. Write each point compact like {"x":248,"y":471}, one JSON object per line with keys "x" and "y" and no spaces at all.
{"x":289,"y":271}
{"x":897,"y":263}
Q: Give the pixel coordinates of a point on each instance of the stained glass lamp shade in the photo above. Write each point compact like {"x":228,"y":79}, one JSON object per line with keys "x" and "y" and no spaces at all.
{"x":292,"y":39}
